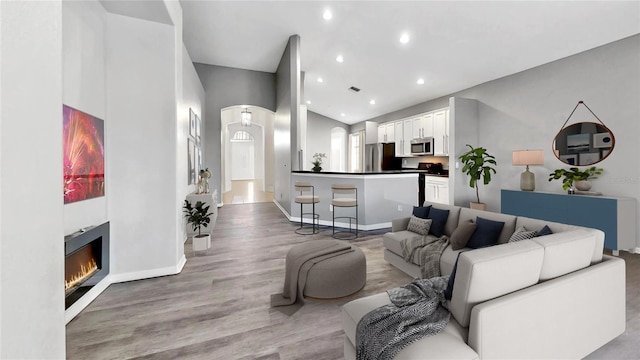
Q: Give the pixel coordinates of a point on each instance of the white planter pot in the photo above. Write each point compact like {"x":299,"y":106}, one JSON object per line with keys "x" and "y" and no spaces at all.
{"x":583,"y":185}
{"x":201,"y":242}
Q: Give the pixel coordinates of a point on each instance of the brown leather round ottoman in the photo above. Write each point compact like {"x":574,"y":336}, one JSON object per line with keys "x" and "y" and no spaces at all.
{"x":338,"y":276}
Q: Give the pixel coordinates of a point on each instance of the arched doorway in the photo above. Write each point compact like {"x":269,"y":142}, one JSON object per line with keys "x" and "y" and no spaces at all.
{"x":247,"y":155}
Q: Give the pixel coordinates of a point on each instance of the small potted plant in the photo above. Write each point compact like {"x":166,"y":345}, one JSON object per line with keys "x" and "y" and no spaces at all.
{"x":577,"y":177}
{"x":317,"y":161}
{"x":198,"y":216}
{"x":478,"y":165}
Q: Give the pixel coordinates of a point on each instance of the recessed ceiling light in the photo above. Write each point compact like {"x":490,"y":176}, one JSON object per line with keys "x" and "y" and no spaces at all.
{"x":420,"y":81}
{"x":327,"y":15}
{"x":309,"y":102}
{"x":404,"y":38}
{"x":320,"y":80}
{"x":372,"y":102}
{"x":339,"y":59}
{"x":341,"y":114}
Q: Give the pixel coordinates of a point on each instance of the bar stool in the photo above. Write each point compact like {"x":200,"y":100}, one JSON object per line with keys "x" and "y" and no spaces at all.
{"x":303,"y":187}
{"x":344,"y":202}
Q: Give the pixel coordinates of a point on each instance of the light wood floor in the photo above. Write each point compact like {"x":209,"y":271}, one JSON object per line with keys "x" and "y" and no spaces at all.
{"x":218,"y":307}
{"x":246,"y":192}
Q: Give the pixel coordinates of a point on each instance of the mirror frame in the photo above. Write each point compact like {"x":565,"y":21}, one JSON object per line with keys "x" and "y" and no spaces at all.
{"x":573,"y":158}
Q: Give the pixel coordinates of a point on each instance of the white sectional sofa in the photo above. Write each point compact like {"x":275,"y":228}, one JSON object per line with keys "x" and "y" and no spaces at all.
{"x":550,"y":297}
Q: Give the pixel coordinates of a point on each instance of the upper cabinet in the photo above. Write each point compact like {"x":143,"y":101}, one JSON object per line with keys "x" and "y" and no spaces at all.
{"x":386,"y":133}
{"x":423,"y":126}
{"x":441,"y":132}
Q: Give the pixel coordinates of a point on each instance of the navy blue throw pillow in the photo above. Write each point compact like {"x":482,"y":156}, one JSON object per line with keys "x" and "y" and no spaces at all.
{"x":486,"y":234}
{"x":421,"y":212}
{"x":545,"y":231}
{"x":439,"y":220}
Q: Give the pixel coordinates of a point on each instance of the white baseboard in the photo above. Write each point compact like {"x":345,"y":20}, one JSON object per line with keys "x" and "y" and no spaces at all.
{"x":86,"y":299}
{"x":147,"y":274}
{"x":635,"y":251}
{"x":181,"y":264}
{"x":283,"y":210}
{"x":344,"y":225}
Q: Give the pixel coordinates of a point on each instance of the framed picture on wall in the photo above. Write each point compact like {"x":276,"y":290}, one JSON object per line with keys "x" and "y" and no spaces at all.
{"x":588,"y":158}
{"x":605,"y":153}
{"x":197,"y":130}
{"x":569,"y":159}
{"x":191,"y":167}
{"x":192,"y":123}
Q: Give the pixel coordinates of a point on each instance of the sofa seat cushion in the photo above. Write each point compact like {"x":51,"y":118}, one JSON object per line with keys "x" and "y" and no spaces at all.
{"x":448,"y":344}
{"x":565,"y":252}
{"x":393,"y":242}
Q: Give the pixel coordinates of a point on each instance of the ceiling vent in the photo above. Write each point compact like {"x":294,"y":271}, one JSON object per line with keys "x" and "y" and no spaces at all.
{"x":354,"y":89}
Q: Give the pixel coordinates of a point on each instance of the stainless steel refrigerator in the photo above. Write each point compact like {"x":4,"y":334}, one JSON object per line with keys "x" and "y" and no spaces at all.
{"x":380,"y":157}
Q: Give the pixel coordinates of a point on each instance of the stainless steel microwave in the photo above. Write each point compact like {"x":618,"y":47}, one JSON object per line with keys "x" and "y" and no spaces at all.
{"x":422,"y":146}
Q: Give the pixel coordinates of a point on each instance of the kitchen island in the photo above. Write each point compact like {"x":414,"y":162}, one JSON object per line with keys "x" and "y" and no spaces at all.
{"x":382,"y":196}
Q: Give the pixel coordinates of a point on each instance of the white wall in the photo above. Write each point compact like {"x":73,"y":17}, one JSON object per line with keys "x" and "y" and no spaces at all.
{"x":31,"y":210}
{"x":141,"y":138}
{"x":84,"y":87}
{"x":319,"y":138}
{"x":192,"y":97}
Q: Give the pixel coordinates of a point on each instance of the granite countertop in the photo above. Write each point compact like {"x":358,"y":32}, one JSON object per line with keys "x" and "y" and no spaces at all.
{"x":384,"y":172}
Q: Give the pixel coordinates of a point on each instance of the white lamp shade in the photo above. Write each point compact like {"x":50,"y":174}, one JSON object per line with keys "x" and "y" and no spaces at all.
{"x":528,"y":157}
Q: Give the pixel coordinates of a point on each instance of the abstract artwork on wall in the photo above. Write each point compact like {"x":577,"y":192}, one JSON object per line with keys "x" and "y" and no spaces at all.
{"x":191,"y":154}
{"x":83,"y":146}
{"x":192,"y":123}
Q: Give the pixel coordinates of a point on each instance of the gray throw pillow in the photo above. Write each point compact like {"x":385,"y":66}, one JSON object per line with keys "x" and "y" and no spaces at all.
{"x":522,"y":233}
{"x":461,"y":235}
{"x":419,"y":226}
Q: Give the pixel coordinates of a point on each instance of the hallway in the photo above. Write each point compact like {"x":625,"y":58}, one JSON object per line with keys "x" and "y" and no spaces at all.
{"x":246,"y":192}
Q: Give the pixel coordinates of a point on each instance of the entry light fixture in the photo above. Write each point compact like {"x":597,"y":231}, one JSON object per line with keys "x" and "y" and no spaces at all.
{"x":245,"y":117}
{"x":528,"y":157}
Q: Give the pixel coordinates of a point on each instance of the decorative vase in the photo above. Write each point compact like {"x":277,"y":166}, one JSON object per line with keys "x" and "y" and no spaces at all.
{"x":316,"y":169}
{"x":583,"y":185}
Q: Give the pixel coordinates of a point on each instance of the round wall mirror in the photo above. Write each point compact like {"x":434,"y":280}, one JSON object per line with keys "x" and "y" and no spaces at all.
{"x":584,"y":143}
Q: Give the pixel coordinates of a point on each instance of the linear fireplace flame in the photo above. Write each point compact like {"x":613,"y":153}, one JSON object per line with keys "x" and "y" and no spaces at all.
{"x":86,"y":271}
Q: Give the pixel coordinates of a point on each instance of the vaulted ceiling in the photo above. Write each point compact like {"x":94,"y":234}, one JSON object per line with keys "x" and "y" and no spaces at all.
{"x":452,"y":45}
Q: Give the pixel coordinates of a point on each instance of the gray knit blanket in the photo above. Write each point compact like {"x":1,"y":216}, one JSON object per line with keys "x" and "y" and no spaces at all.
{"x":429,"y":249}
{"x":417,"y":310}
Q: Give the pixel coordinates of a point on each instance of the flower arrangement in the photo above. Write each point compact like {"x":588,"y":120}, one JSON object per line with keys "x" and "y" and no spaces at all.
{"x":317,"y":161}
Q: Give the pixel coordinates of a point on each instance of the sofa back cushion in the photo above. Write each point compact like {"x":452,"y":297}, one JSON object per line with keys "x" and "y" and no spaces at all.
{"x":565,"y":252}
{"x":452,"y":220}
{"x":537,"y":225}
{"x":487,"y":273}
{"x":509,"y":221}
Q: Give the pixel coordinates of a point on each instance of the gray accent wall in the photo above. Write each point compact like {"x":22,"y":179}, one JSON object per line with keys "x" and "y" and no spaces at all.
{"x":319,"y":138}
{"x":225,"y":86}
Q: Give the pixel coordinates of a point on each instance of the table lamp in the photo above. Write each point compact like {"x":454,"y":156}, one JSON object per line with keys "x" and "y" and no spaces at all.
{"x":528,"y":157}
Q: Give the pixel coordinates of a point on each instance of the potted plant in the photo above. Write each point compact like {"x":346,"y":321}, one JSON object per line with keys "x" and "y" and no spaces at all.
{"x":577,"y":177}
{"x":317,"y":161}
{"x":478,"y":165}
{"x":198,"y":216}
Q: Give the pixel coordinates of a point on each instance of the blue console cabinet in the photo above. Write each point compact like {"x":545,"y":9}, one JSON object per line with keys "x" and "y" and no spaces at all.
{"x":616,"y":216}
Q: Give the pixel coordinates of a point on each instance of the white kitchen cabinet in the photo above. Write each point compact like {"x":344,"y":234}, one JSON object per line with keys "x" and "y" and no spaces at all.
{"x":407,"y":135}
{"x":423,"y":126}
{"x":437,"y":189}
{"x":441,"y":133}
{"x":399,"y":138}
{"x":386,"y":133}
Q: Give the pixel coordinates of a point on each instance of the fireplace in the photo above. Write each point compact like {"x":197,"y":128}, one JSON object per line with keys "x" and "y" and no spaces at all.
{"x":86,"y":261}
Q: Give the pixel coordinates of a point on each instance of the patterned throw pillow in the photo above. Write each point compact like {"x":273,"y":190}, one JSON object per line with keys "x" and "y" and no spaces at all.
{"x":419,"y":226}
{"x":522,"y":233}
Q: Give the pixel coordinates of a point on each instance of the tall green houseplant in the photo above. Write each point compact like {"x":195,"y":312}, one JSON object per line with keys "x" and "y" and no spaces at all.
{"x":478,"y":165}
